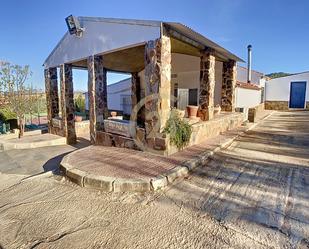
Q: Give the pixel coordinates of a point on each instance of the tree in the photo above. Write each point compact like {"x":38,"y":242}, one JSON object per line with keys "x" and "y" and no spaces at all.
{"x":277,"y":75}
{"x":18,"y":96}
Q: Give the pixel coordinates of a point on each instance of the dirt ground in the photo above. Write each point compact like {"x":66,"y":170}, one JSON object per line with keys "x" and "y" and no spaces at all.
{"x":255,"y":194}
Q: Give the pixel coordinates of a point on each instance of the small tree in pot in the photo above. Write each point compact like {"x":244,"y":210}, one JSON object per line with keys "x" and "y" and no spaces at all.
{"x":179,"y":130}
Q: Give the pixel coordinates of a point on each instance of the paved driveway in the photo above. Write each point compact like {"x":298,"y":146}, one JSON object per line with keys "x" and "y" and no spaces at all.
{"x":255,"y":194}
{"x":35,"y":161}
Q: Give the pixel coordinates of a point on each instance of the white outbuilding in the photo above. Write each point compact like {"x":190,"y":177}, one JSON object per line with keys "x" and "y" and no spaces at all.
{"x":289,"y":92}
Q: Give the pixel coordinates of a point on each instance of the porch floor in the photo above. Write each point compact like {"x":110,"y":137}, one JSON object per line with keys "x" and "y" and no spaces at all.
{"x":121,"y":163}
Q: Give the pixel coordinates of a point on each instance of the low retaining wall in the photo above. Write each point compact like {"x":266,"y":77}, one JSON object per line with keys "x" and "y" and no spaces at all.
{"x":277,"y":105}
{"x":15,"y":134}
{"x":256,"y":113}
{"x":82,"y":128}
{"x":204,"y":130}
{"x":110,"y":139}
{"x":200,"y":132}
{"x":280,"y":105}
{"x":34,"y":141}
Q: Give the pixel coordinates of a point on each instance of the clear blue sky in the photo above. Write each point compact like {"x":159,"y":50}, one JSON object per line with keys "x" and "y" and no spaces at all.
{"x":277,"y":29}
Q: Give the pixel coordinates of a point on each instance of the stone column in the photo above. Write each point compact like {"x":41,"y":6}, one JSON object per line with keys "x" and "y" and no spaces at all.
{"x":136,"y":97}
{"x":157,"y":85}
{"x":67,"y":103}
{"x":97,"y":95}
{"x":135,"y":89}
{"x":52,"y":99}
{"x":228,"y":86}
{"x":207,"y":85}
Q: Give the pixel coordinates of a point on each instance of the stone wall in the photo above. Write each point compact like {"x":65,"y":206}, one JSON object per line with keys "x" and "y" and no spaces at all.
{"x":109,"y":139}
{"x":207,"y":85}
{"x":256,"y":113}
{"x":277,"y":105}
{"x":82,"y":128}
{"x":201,"y":131}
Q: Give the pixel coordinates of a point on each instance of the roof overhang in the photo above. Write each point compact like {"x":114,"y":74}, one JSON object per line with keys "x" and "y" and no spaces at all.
{"x":187,"y":35}
{"x":123,"y":40}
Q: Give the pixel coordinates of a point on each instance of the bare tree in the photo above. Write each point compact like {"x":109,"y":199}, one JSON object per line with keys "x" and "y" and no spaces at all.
{"x":18,"y":96}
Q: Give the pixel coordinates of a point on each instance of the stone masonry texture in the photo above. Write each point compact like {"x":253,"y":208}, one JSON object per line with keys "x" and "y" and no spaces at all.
{"x":157,"y":83}
{"x":52,"y":99}
{"x":67,"y":103}
{"x":207,"y":85}
{"x":228,"y":86}
{"x":97,"y":92}
{"x":277,"y":105}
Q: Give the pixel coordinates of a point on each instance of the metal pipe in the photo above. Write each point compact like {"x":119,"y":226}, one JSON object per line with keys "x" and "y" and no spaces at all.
{"x":249,"y":63}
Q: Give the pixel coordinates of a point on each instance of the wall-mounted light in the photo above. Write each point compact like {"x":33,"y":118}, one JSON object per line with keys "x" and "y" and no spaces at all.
{"x":74,"y":26}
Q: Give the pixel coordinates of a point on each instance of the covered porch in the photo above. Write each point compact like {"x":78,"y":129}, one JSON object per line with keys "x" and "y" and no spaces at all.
{"x":175,"y":58}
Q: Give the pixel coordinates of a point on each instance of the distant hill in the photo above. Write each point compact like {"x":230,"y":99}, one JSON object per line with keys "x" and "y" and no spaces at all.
{"x":277,"y":75}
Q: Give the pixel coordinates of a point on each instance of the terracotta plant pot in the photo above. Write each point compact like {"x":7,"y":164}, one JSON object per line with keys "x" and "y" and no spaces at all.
{"x":78,"y":118}
{"x":192,"y":111}
{"x":114,"y":114}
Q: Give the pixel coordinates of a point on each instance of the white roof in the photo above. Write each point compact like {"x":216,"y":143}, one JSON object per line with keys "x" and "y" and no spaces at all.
{"x":102,"y":35}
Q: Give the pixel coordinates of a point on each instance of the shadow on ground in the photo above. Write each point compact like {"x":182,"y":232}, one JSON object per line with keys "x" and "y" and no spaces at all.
{"x":261,"y":181}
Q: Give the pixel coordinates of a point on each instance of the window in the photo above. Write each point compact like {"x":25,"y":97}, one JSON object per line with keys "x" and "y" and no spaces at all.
{"x":193,"y":96}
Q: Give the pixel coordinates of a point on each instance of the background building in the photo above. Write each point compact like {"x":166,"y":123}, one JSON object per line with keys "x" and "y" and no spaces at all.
{"x":288,"y":92}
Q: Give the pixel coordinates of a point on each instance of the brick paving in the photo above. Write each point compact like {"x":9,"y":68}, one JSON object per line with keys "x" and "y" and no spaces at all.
{"x":132,"y":164}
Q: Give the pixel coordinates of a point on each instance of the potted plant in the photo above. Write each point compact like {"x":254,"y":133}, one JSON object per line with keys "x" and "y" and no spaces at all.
{"x":179,"y":130}
{"x":192,"y":111}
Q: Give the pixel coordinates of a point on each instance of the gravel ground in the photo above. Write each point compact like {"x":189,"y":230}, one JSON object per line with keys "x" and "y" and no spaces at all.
{"x":255,"y":194}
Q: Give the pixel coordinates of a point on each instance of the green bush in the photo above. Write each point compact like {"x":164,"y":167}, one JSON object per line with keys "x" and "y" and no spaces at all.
{"x":80,"y":103}
{"x":179,"y":130}
{"x":6,"y":114}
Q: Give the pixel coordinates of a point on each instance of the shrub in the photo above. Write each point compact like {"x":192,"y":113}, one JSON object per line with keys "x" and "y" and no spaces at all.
{"x":6,"y":114}
{"x":80,"y":103}
{"x":179,"y":130}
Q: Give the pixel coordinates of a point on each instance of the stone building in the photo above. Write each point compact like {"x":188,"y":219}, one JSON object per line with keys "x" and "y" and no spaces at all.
{"x":150,"y":51}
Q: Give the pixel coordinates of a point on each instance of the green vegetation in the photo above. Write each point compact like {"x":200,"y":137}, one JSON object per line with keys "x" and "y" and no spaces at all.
{"x":80,"y":105}
{"x":6,"y":114}
{"x":179,"y":130}
{"x":277,"y":75}
{"x":16,"y":94}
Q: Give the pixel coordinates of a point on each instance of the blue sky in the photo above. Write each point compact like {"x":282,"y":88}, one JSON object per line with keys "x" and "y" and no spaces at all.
{"x":277,"y":29}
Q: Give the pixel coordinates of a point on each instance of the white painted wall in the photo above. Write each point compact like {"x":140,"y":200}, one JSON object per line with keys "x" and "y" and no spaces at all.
{"x":242,"y":73}
{"x":186,"y":68}
{"x":279,"y":89}
{"x":247,"y":97}
{"x":114,"y":94}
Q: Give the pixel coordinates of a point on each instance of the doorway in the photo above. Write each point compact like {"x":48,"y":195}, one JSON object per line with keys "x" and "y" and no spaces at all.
{"x":297,"y":94}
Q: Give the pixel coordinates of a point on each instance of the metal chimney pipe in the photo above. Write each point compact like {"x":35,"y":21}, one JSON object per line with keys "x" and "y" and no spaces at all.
{"x":249,"y":63}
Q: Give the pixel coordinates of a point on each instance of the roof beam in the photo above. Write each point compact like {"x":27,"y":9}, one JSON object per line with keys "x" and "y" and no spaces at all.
{"x":177,"y":35}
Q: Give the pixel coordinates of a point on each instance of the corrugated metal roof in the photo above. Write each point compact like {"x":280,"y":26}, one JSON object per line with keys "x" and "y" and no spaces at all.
{"x":121,"y":21}
{"x":190,"y":33}
{"x":181,"y":28}
{"x":178,"y":27}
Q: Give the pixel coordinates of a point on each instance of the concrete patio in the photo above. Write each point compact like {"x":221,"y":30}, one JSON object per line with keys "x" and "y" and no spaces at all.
{"x":254,"y":194}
